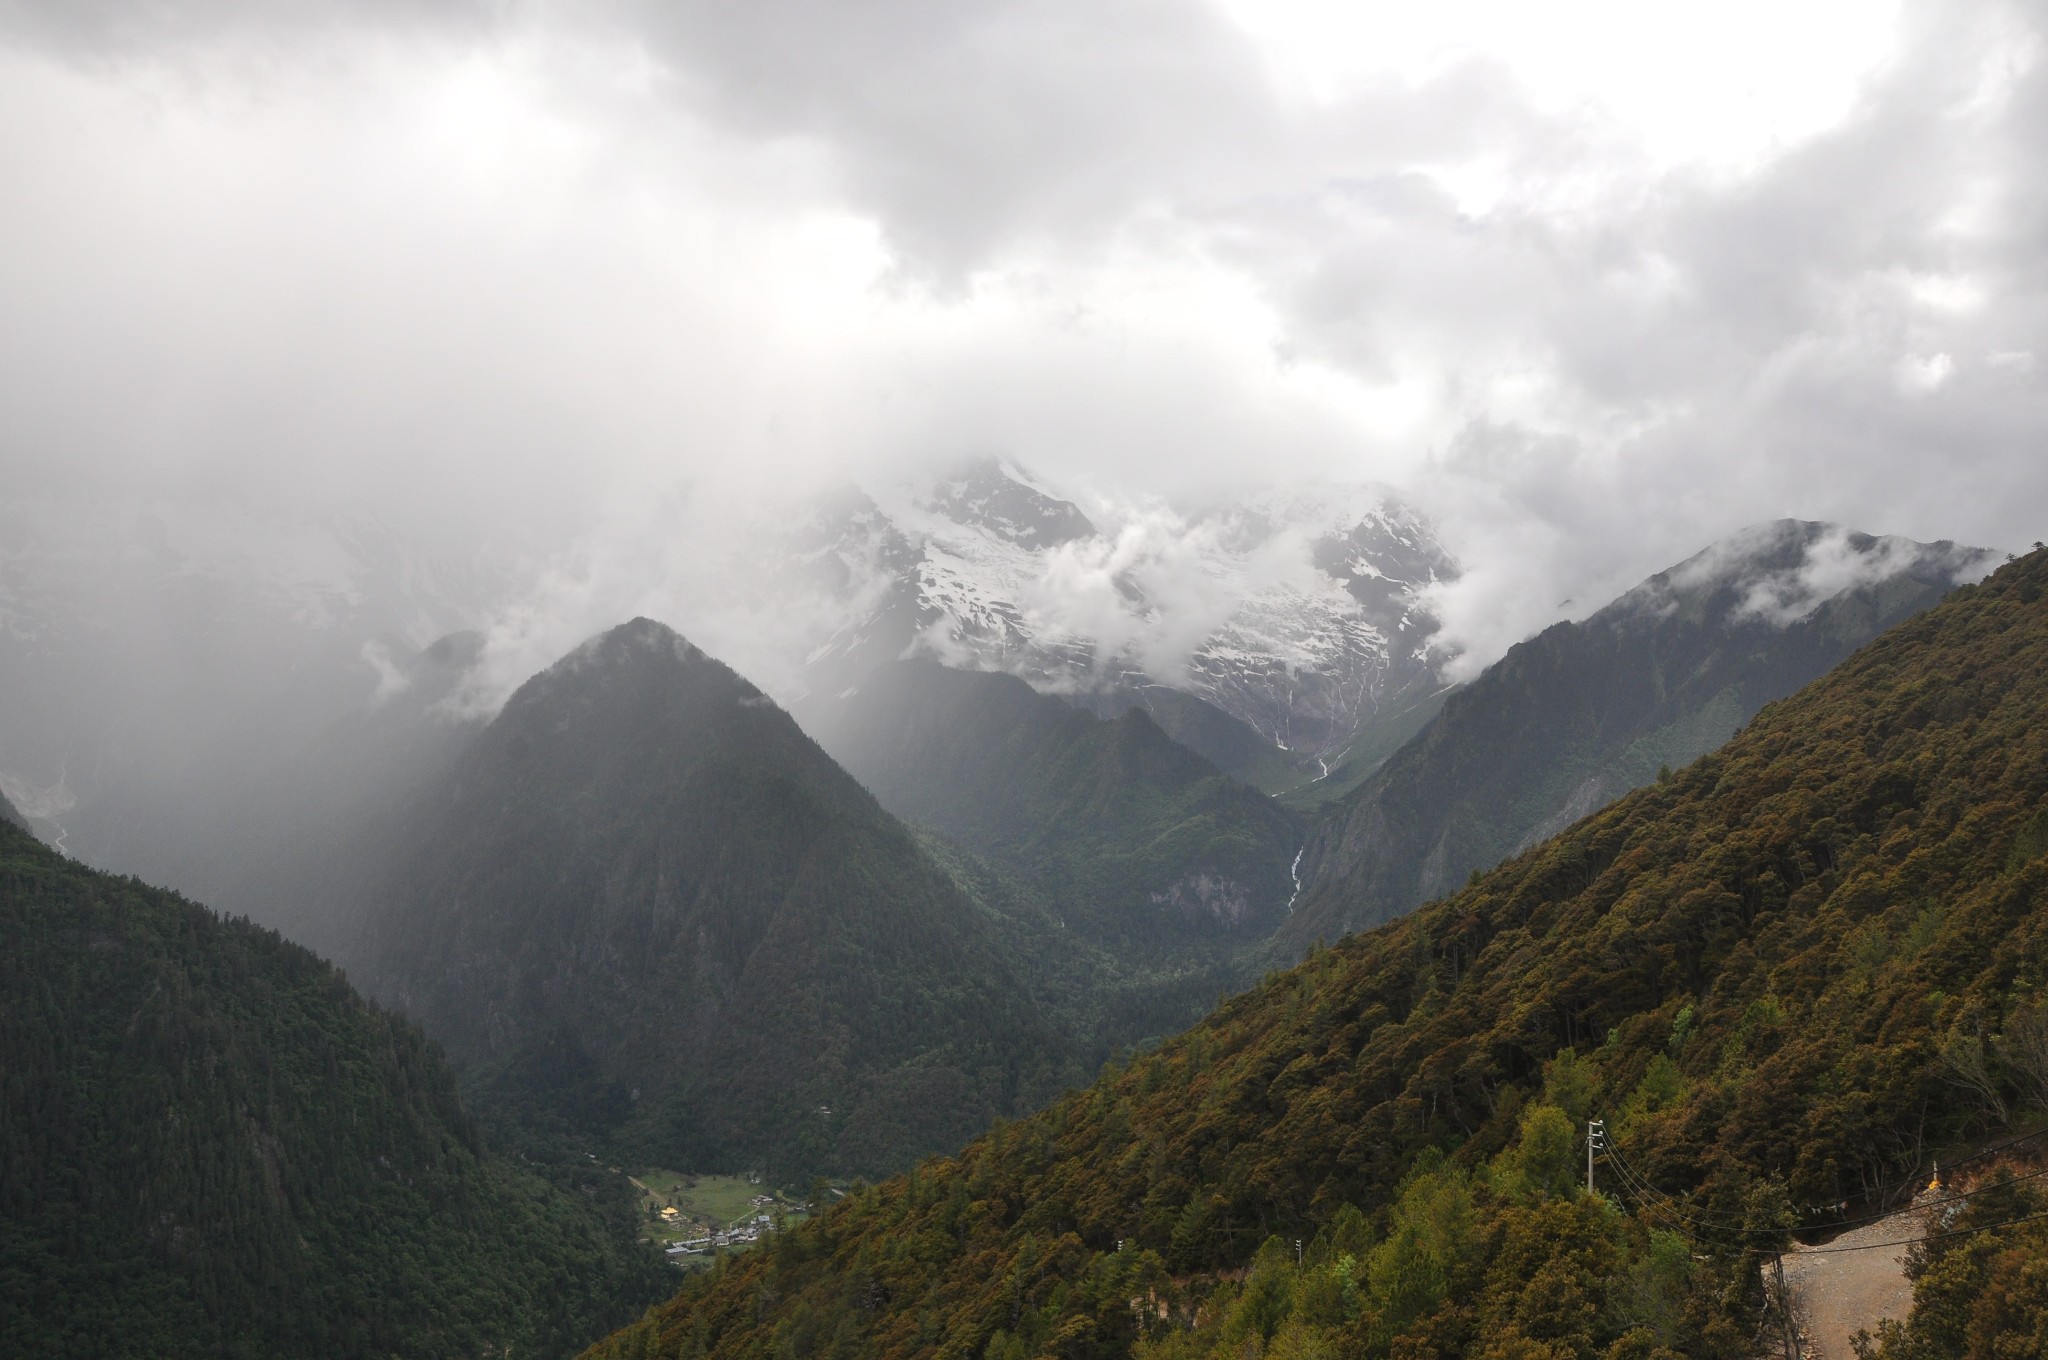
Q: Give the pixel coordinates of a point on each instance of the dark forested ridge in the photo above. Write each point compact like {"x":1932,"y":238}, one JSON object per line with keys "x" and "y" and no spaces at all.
{"x":1785,"y":977}
{"x":9,"y":816}
{"x":1578,"y":715}
{"x":211,"y":1146}
{"x":1129,"y":881}
{"x":1230,"y":744}
{"x":645,"y":909}
{"x":1137,"y":839}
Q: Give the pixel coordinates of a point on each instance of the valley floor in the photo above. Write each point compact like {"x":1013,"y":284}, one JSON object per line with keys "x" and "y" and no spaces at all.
{"x":695,"y":1218}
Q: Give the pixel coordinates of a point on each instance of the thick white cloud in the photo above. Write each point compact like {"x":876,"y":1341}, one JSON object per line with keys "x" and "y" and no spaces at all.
{"x":1593,"y":291}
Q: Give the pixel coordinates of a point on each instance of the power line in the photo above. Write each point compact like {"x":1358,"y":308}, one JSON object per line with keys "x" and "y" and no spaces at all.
{"x":1909,"y":1241}
{"x":1671,"y":1217}
{"x":1648,"y":1197}
{"x":1646,"y":1200}
{"x":1707,"y":1217}
{"x":1708,"y":1220}
{"x":1644,"y":1193}
{"x":1982,"y":1153}
{"x":1665,"y":1213}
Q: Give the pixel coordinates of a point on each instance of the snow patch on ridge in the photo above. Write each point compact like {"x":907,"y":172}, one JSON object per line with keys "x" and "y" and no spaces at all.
{"x":1298,"y":612}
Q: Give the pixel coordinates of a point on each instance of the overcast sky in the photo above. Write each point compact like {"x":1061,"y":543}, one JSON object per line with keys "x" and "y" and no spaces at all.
{"x":1595,"y":281}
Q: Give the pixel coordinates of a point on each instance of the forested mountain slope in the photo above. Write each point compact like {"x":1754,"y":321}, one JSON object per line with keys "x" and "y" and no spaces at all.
{"x":649,"y":912}
{"x":1129,"y":881}
{"x":1230,"y":744}
{"x":211,"y":1146}
{"x":1784,"y":977}
{"x":1578,"y":715}
{"x":1140,"y":842}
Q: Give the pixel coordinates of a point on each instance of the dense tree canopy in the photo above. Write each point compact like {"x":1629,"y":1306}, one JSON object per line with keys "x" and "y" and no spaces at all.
{"x":1142,"y":843}
{"x":211,"y":1146}
{"x":649,"y":915}
{"x":1784,"y":976}
{"x":1130,"y":881}
{"x":1586,"y":710}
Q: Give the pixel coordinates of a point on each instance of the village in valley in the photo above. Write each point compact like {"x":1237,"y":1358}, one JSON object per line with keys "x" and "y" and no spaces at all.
{"x":697,"y":1217}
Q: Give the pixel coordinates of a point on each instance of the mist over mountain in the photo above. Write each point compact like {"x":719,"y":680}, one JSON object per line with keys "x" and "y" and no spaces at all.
{"x":209,"y":691}
{"x":1301,"y":615}
{"x":293,"y":843}
{"x":645,"y":909}
{"x":1578,"y":715}
{"x":176,"y":667}
{"x":1140,"y":837}
{"x":1286,"y":637}
{"x":1051,"y":629}
{"x":1134,"y":852}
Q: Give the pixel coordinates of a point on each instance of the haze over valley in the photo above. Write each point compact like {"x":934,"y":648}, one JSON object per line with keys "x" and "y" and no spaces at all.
{"x":1133,"y":681}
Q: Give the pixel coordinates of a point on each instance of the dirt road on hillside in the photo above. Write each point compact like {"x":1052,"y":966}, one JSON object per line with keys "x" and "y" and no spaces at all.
{"x":1836,"y":1293}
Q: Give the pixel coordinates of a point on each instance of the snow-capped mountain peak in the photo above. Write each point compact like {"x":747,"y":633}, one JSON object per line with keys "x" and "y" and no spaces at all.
{"x":1298,"y":613}
{"x":1003,"y":501}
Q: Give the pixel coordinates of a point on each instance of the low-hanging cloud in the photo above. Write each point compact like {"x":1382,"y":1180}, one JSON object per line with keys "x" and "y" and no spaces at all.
{"x":1837,"y":562}
{"x":1141,"y":595}
{"x":474,"y":266}
{"x":727,"y":572}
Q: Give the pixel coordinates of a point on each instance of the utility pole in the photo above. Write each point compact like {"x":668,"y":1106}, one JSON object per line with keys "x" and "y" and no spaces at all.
{"x":1596,"y":1133}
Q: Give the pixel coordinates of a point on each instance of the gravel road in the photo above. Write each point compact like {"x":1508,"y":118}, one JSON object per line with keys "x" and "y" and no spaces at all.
{"x":1836,"y":1293}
